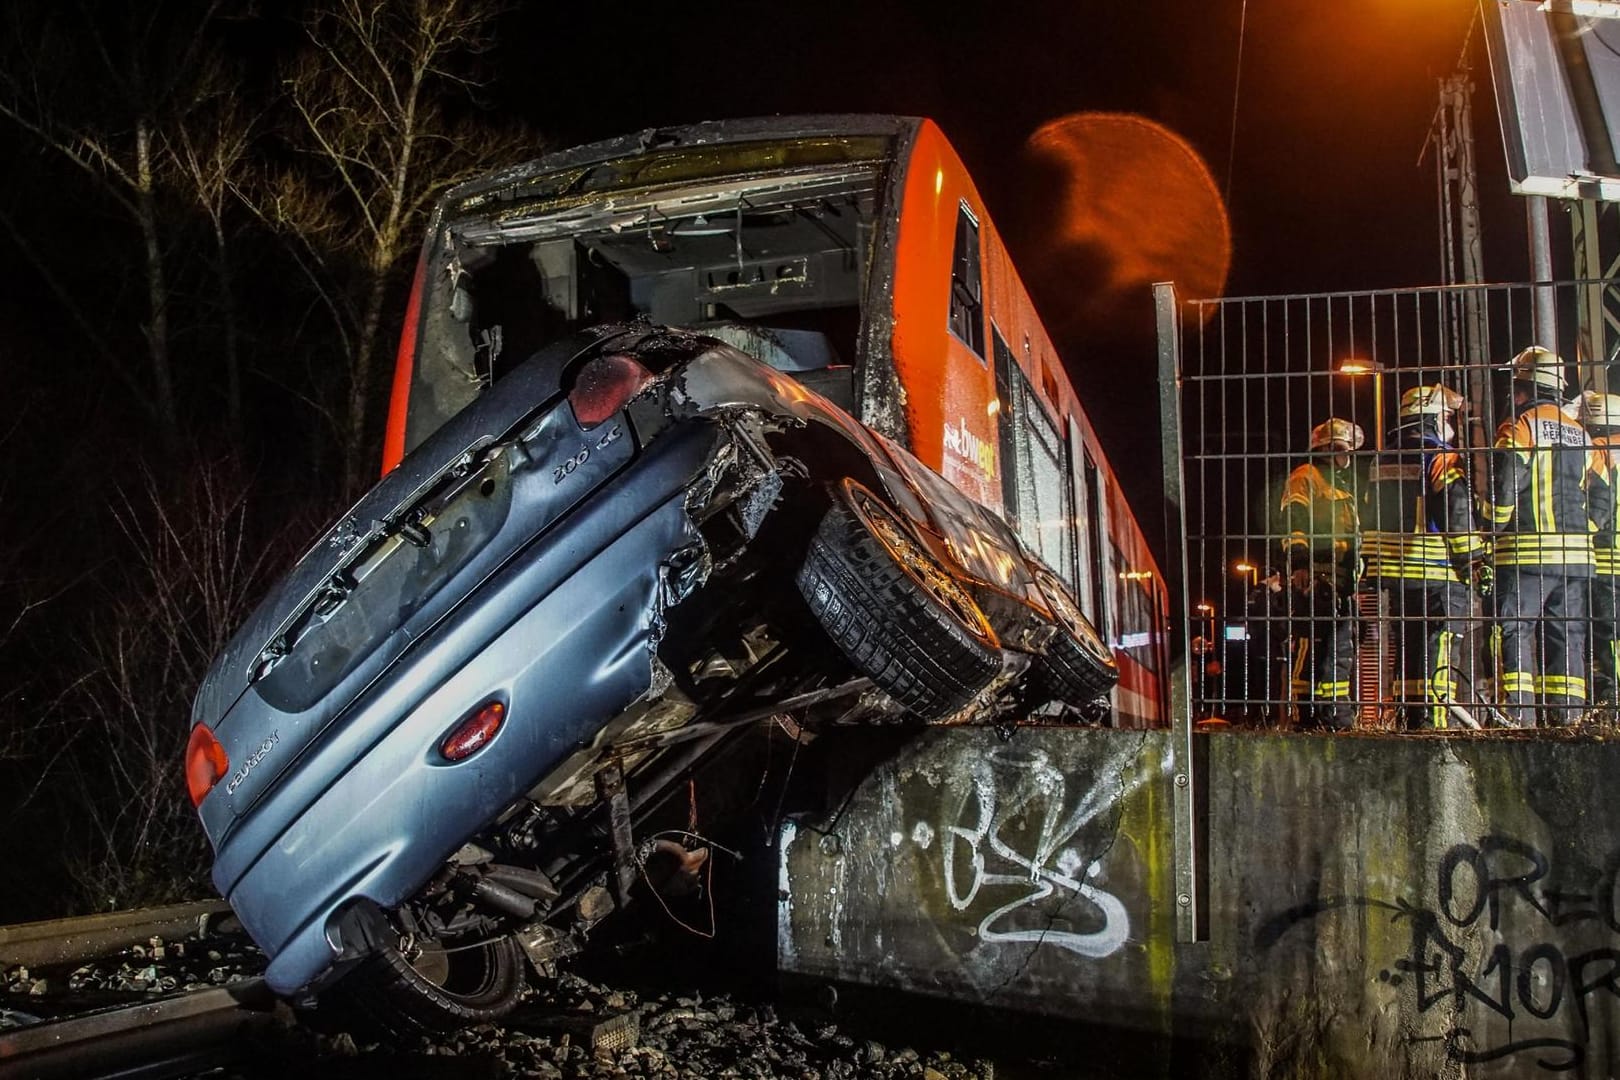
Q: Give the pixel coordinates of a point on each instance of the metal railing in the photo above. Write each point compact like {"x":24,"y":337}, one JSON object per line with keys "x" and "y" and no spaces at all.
{"x":1298,"y":613}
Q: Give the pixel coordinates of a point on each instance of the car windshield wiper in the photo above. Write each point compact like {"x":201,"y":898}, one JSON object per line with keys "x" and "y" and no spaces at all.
{"x":410,"y":526}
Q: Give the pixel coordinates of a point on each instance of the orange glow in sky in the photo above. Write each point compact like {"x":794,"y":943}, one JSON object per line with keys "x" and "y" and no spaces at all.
{"x":1139,"y":206}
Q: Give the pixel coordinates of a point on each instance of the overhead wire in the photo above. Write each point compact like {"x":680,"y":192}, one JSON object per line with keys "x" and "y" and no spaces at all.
{"x":1237,"y":87}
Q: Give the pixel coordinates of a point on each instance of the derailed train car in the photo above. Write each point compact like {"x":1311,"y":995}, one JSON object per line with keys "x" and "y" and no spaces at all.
{"x":689,"y":429}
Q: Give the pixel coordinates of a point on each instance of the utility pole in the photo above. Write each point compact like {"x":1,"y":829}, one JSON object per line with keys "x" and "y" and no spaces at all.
{"x":1461,"y":260}
{"x":1597,"y":296}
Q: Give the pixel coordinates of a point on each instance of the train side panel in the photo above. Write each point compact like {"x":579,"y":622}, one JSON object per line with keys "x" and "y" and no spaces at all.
{"x":953,"y":412}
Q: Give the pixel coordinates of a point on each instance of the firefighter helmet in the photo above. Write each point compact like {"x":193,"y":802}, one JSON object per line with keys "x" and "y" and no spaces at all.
{"x":1541,"y":368}
{"x":1599,"y":410}
{"x":1436,"y":399}
{"x":1333,"y":431}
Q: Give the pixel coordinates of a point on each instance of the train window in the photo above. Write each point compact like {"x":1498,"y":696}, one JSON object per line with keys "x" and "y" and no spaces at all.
{"x":1136,"y":632}
{"x":1098,"y":595}
{"x":1034,"y":483}
{"x":1049,"y":386}
{"x":967,"y":305}
{"x":1008,"y":442}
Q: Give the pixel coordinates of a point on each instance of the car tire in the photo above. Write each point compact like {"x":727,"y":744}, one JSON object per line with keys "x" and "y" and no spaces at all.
{"x":899,"y":617}
{"x":1077,"y":667}
{"x":439,"y":990}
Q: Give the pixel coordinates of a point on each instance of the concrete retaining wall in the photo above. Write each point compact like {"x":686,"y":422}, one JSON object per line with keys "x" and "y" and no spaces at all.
{"x":1377,"y":907}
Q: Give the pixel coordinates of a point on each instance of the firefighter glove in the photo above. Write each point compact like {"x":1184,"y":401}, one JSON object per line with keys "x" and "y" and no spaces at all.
{"x":1483,"y":579}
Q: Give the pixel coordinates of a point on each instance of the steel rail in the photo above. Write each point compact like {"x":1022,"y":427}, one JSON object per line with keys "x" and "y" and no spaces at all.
{"x":88,"y":937}
{"x":170,"y":1036}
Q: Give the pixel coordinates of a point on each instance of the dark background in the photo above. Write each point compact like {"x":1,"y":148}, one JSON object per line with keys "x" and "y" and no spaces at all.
{"x":1325,"y":193}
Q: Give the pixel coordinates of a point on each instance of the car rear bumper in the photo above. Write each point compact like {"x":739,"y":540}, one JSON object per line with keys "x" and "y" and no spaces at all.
{"x":564,"y":635}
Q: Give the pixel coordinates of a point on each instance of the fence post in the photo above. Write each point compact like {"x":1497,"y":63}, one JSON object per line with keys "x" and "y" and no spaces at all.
{"x":1189,"y":882}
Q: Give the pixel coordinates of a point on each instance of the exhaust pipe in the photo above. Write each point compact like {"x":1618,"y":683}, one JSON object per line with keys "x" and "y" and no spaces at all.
{"x":506,"y":900}
{"x":514,"y":890}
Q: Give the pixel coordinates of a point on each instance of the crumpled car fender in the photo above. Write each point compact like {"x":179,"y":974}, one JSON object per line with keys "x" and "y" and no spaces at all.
{"x":975,"y":541}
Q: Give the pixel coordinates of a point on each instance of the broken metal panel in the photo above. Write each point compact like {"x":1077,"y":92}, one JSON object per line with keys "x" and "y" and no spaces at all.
{"x":880,"y":394}
{"x":653,"y":224}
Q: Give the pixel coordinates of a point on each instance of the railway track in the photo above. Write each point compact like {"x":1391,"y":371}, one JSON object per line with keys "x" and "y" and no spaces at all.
{"x":174,"y":1035}
{"x":88,"y":937}
{"x":125,"y":1034}
{"x":91,"y":1021}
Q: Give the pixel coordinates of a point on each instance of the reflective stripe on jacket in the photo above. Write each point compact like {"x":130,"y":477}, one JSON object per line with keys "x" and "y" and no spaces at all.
{"x":1321,"y":525}
{"x":1605,"y":549}
{"x":1419,"y":519}
{"x":1545,"y":465}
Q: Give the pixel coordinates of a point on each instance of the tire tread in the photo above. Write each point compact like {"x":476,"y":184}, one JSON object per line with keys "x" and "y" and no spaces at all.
{"x":888,"y":626}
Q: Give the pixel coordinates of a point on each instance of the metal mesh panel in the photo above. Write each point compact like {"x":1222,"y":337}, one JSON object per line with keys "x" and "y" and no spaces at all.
{"x":1397,"y":631}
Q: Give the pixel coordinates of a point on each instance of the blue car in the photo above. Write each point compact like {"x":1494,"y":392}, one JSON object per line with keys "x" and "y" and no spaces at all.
{"x":425,"y":760}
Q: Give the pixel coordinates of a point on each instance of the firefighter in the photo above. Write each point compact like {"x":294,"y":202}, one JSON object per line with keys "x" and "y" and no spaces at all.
{"x":1600,"y":414}
{"x":1422,"y":550}
{"x":1541,"y":507}
{"x":1322,"y":548}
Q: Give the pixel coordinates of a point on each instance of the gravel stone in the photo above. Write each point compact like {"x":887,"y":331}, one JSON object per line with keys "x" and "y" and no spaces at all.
{"x":683,"y":1034}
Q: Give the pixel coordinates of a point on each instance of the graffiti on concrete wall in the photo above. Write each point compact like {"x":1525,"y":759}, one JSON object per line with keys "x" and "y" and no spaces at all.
{"x":1021,"y":849}
{"x":1512,"y":958}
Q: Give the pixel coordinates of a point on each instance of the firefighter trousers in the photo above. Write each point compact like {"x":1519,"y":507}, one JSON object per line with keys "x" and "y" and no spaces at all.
{"x":1322,"y":661}
{"x":1605,"y":657}
{"x":1428,"y":619}
{"x":1541,"y":614}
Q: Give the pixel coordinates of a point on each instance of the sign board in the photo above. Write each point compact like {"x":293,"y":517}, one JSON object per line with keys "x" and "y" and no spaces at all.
{"x":1555,"y":65}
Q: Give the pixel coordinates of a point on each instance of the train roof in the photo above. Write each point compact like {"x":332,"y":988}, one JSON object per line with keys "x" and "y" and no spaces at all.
{"x":706,"y":133}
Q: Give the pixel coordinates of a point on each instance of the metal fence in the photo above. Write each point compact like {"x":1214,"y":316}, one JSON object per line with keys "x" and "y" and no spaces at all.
{"x":1358,"y":596}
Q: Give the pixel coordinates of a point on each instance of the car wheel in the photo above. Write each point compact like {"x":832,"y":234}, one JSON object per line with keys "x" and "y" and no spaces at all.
{"x":1077,"y":667}
{"x":434,"y":989}
{"x":901,"y":618}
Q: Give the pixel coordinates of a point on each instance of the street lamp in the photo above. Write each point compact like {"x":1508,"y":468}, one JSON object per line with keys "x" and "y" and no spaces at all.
{"x":1207,"y":610}
{"x":1208,"y":662}
{"x":1248,"y":568}
{"x":1356,"y":366}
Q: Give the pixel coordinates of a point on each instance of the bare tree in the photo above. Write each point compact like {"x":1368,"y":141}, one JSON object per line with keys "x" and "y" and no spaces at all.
{"x":193,"y":565}
{"x":368,"y":100}
{"x":209,"y":150}
{"x":107,"y":127}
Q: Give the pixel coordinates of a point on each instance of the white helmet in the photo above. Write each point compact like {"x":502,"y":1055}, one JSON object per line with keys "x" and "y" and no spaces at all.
{"x":1436,"y":399}
{"x":1596,"y":409}
{"x":1339,"y":431}
{"x":1540,"y":367}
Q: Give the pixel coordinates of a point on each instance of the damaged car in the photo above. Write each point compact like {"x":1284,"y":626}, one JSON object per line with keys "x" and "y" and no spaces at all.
{"x":425,"y":761}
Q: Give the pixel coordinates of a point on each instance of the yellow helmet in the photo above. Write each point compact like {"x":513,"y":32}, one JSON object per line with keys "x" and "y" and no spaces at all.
{"x":1436,"y":399}
{"x":1598,"y":409}
{"x":1540,"y":367}
{"x":1336,"y":430}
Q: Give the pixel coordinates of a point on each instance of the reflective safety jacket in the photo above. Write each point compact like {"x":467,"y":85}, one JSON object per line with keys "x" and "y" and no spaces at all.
{"x":1419,"y":517}
{"x":1321,"y":525}
{"x":1604,"y":547}
{"x":1543,"y":497}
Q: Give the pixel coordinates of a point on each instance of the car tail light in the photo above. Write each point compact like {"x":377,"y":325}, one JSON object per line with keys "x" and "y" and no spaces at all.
{"x":473,"y":733}
{"x":604,"y":385}
{"x":206,"y":763}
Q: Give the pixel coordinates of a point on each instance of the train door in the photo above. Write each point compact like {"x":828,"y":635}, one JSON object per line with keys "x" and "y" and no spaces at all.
{"x":1034,"y":479}
{"x":1093,"y":587}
